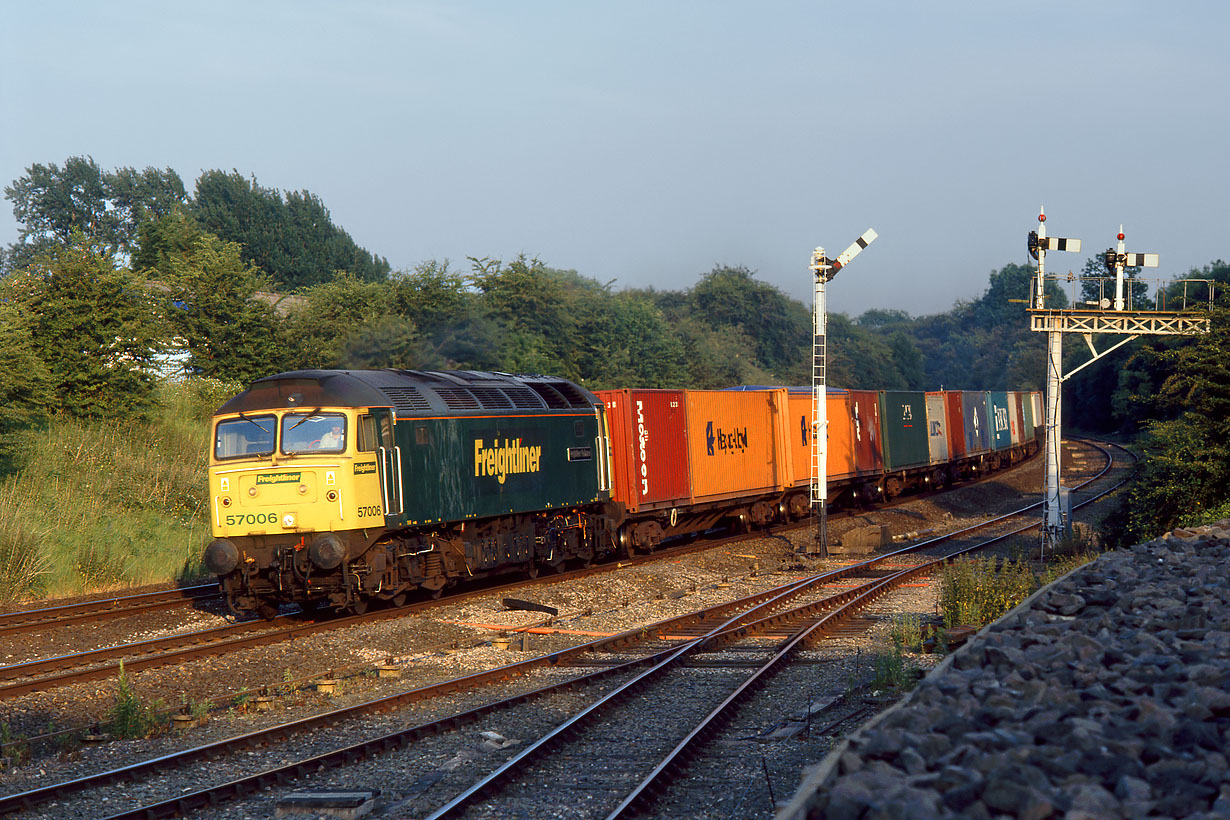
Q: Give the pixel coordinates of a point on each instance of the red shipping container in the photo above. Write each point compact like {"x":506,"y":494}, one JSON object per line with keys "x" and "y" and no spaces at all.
{"x":649,"y":454}
{"x":865,"y":417}
{"x":956,"y":423}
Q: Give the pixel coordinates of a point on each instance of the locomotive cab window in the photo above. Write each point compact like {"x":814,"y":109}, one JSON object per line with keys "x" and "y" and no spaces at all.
{"x":313,"y":433}
{"x":367,"y":434}
{"x":245,"y":436}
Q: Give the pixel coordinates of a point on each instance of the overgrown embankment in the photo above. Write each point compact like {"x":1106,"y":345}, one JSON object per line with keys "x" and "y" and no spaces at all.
{"x":105,"y":505}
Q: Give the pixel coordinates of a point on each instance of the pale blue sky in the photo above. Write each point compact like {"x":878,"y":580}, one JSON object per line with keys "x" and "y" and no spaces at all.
{"x":646,"y":142}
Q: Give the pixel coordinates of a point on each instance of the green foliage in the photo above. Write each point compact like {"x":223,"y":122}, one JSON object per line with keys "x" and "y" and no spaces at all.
{"x":906,"y":631}
{"x":292,"y":238}
{"x":13,"y":747}
{"x":1183,"y":472}
{"x":96,"y":329}
{"x":1183,"y":399}
{"x":108,"y":505}
{"x":318,"y":328}
{"x":779,"y":327}
{"x":211,"y":305}
{"x":891,"y":673}
{"x":25,"y":385}
{"x":52,"y":202}
{"x":129,"y":717}
{"x":976,"y":591}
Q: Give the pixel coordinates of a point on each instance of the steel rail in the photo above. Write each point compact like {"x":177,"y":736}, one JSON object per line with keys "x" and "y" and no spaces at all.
{"x":27,"y":620}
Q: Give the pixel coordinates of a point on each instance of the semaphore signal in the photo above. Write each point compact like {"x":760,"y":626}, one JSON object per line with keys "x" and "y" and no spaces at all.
{"x":1117,"y":260}
{"x":823,"y":270}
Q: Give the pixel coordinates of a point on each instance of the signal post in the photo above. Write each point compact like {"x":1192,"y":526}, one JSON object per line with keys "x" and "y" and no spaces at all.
{"x":1096,"y":318}
{"x":823,"y":270}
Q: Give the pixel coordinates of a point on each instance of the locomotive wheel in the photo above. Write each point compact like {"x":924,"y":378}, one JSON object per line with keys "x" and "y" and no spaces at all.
{"x":359,"y":606}
{"x":399,"y":600}
{"x":267,"y":610}
{"x":531,"y":570}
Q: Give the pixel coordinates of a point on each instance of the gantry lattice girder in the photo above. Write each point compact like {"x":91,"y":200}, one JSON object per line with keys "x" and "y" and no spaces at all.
{"x":1139,"y":323}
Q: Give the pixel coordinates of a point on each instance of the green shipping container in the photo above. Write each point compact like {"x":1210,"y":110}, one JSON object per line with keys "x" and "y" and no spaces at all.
{"x":1001,"y":410}
{"x":903,"y":421}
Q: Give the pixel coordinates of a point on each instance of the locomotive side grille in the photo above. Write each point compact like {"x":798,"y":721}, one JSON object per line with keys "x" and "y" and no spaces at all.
{"x":491,"y":398}
{"x":407,"y":401}
{"x":457,"y":398}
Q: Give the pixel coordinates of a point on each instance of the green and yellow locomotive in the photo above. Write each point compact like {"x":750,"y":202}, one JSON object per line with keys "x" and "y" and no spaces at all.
{"x":336,"y":488}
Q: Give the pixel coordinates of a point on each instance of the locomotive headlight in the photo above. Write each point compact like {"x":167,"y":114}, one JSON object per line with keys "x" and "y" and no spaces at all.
{"x":302,"y":489}
{"x":252,"y":491}
{"x":226,"y":501}
{"x":331,"y":495}
{"x":288,"y":520}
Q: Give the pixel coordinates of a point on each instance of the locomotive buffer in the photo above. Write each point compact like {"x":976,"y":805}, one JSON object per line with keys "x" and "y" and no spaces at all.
{"x":1101,"y":319}
{"x":824,"y":269}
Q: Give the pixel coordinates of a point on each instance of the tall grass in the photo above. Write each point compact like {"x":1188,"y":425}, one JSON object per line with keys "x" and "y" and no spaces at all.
{"x":977,"y":591}
{"x":107,"y":505}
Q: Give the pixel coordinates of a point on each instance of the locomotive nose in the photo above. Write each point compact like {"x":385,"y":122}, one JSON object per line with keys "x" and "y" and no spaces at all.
{"x":221,"y":556}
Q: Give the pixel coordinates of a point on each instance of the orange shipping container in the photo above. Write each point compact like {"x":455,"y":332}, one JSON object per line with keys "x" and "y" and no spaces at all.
{"x":737,"y":443}
{"x":840,"y":458}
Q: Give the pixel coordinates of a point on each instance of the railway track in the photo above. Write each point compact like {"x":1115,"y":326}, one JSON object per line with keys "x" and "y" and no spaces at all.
{"x":101,"y":609}
{"x":796,"y":613}
{"x":45,"y":673}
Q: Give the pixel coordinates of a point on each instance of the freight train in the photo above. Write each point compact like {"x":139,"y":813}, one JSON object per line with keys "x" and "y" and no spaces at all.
{"x":339,"y":488}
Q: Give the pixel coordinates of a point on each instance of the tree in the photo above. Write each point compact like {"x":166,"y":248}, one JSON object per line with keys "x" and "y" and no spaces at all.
{"x":780,"y":327}
{"x":627,"y":343}
{"x":107,"y":207}
{"x":293,"y":239}
{"x":1185,"y":464}
{"x":25,"y":385}
{"x":317,"y":330}
{"x":211,"y":302}
{"x":535,"y":307}
{"x":96,"y":327}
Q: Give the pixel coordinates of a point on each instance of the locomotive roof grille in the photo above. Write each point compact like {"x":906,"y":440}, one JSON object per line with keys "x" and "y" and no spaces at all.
{"x":523,"y":398}
{"x":571,"y":395}
{"x":407,"y":401}
{"x":491,"y":398}
{"x":412,"y":392}
{"x":457,"y":398}
{"x":550,"y":395}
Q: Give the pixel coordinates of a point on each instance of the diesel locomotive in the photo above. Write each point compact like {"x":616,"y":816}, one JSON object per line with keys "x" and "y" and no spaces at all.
{"x":338,"y":488}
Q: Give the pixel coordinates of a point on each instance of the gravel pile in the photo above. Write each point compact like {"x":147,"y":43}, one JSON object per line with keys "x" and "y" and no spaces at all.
{"x":1105,"y":695}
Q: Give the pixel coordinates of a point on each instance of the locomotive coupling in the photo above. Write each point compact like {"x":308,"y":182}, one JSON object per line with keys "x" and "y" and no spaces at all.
{"x":221,"y":556}
{"x":327,"y":551}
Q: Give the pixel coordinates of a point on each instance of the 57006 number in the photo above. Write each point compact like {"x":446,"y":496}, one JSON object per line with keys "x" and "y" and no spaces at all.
{"x":252,"y":518}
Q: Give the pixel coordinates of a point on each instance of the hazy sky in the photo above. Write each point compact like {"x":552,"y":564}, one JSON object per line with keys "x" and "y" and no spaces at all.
{"x":645,"y":142}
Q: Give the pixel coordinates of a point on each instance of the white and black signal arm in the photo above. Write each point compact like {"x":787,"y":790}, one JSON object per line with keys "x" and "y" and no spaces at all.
{"x":1038,"y":244}
{"x":1118,"y":259}
{"x":822,"y":266}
